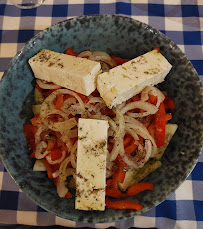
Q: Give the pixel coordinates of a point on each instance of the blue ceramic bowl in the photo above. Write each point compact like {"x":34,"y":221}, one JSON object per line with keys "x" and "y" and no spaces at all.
{"x":122,"y":37}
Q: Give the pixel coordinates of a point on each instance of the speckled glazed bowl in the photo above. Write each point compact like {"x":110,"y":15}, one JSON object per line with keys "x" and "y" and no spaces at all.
{"x":123,"y":37}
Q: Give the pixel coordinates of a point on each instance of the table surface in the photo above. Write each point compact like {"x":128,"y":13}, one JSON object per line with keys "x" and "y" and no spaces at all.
{"x":182,"y":22}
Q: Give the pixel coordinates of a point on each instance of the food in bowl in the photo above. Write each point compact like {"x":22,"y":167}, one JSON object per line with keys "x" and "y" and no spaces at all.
{"x":109,"y":91}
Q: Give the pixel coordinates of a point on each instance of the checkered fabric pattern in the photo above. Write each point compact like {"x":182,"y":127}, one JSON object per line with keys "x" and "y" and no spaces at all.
{"x":182,"y":22}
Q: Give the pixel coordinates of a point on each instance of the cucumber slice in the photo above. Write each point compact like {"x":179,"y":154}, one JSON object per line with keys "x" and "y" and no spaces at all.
{"x":39,"y":166}
{"x":170,"y":131}
{"x":38,"y":97}
{"x":129,"y":179}
{"x":36,"y":109}
{"x":134,"y":176}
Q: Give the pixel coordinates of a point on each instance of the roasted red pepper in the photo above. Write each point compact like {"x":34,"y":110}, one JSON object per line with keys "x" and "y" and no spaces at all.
{"x":123,"y":204}
{"x":29,"y":131}
{"x":50,"y":169}
{"x":59,"y":101}
{"x":71,"y":52}
{"x":36,"y":120}
{"x":119,"y":60}
{"x":139,"y":187}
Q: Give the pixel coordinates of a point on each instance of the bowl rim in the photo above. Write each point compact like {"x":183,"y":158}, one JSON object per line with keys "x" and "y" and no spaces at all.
{"x":173,"y":45}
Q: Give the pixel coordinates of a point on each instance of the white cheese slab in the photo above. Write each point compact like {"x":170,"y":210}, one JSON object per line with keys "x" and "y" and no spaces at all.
{"x":128,"y":79}
{"x":75,"y":73}
{"x":91,"y":164}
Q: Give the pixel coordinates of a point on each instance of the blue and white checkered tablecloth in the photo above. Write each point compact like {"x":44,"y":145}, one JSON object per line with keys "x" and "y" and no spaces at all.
{"x":182,"y":22}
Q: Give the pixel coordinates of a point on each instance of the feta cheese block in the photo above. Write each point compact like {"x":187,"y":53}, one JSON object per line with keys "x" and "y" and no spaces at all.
{"x":75,"y":73}
{"x":91,"y":164}
{"x":128,"y":79}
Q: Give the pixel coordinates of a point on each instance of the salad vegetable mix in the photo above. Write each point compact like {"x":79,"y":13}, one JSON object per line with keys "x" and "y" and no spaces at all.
{"x":138,"y":134}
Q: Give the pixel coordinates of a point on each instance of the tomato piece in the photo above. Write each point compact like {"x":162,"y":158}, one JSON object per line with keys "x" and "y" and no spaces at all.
{"x":123,"y":204}
{"x":30,"y":131}
{"x":71,"y":52}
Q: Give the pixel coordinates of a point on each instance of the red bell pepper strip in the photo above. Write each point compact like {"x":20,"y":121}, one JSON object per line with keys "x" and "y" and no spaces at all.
{"x":59,"y":101}
{"x":131,"y":148}
{"x":32,"y":155}
{"x":119,"y":60}
{"x":95,"y":93}
{"x":127,"y":140}
{"x":161,"y":111}
{"x":68,"y":195}
{"x":160,"y":122}
{"x":39,"y":88}
{"x":51,"y":144}
{"x":71,"y":52}
{"x":108,"y":183}
{"x":160,"y":131}
{"x":47,"y":93}
{"x":36,"y":120}
{"x":83,"y":97}
{"x":152,"y":129}
{"x":123,"y":204}
{"x":107,"y":111}
{"x":152,"y":99}
{"x":55,"y":154}
{"x":119,"y":174}
{"x":132,"y":191}
{"x":169,"y":103}
{"x":110,"y":147}
{"x":136,"y":98}
{"x":113,"y":192}
{"x":168,"y":116}
{"x":49,"y":168}
{"x":139,"y":187}
{"x":55,"y":117}
{"x":30,"y":131}
{"x":156,"y":48}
